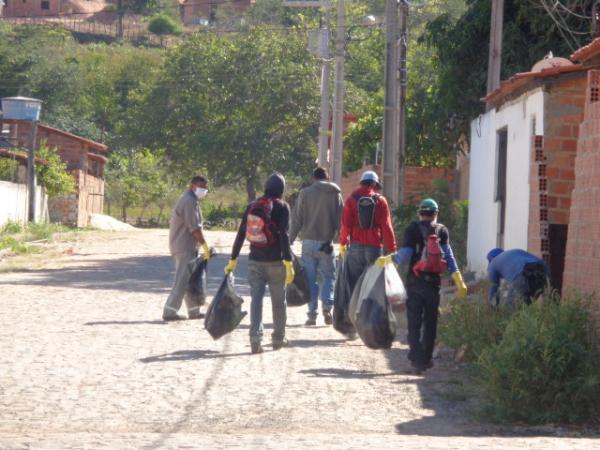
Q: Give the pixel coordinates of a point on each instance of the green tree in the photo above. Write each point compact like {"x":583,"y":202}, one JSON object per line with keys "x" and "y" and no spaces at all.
{"x":163,"y":25}
{"x":53,"y":175}
{"x":237,"y":105}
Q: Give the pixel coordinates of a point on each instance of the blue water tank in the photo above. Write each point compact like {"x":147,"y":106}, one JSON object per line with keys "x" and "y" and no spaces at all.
{"x":21,"y":108}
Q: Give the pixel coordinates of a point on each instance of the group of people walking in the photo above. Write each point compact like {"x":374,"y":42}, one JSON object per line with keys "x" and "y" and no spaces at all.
{"x":363,"y":225}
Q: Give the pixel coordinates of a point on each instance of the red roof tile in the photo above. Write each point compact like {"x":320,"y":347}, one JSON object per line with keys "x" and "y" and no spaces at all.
{"x":521,"y":79}
{"x":587,"y":52}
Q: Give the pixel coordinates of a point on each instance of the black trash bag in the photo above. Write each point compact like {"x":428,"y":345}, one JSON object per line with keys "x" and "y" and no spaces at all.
{"x":298,"y":292}
{"x":196,"y":290}
{"x":341,"y":303}
{"x":371,"y":312}
{"x":225,"y":311}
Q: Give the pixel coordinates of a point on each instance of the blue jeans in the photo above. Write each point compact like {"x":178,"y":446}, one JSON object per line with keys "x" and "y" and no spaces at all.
{"x":259,"y":275}
{"x":317,"y":263}
{"x":359,"y":258}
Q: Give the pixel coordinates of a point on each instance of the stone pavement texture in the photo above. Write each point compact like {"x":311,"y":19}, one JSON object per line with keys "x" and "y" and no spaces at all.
{"x":86,"y":362}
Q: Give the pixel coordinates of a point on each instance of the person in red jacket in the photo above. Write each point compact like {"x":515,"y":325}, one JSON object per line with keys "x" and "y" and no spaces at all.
{"x":366,"y":227}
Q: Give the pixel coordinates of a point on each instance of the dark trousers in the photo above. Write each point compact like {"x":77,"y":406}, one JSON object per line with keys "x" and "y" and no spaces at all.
{"x":422,"y":313}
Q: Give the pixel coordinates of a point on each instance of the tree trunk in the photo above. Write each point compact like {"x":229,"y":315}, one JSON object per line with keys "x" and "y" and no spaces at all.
{"x":160,"y":213}
{"x":250,"y":189}
{"x":124,"y":213}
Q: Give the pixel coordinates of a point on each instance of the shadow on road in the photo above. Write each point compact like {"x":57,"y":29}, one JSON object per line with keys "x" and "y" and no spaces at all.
{"x":190,"y":355}
{"x":150,"y":273}
{"x":128,"y":322}
{"x":334,"y":372}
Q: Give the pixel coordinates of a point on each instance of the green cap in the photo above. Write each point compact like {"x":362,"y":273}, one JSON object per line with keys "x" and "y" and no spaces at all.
{"x":429,"y":205}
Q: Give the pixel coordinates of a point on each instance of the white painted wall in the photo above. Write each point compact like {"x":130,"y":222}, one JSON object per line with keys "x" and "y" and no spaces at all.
{"x":14,"y":203}
{"x":518,"y":117}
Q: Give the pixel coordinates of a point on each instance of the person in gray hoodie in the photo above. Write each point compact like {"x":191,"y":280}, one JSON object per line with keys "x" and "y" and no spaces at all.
{"x":316,"y":218}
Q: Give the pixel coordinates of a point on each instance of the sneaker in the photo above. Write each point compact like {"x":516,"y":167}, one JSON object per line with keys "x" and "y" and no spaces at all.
{"x":171,"y":318}
{"x":280,"y":344}
{"x":196,"y":316}
{"x":429,"y":365}
{"x":327,"y":317}
{"x":256,"y":348}
{"x":352,"y":335}
{"x":310,"y":322}
{"x":417,"y":368}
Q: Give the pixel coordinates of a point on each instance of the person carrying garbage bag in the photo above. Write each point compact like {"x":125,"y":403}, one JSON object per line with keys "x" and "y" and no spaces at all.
{"x":366,"y":227}
{"x":316,"y":218}
{"x":185,"y":234}
{"x":266,"y":226}
{"x":427,"y":247}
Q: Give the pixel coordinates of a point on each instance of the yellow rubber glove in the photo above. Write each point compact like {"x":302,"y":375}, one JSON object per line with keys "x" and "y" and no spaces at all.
{"x":343,"y":250}
{"x":205,"y":251}
{"x":289,"y":272}
{"x":461,"y":287}
{"x":230,"y":267}
{"x":383,"y":260}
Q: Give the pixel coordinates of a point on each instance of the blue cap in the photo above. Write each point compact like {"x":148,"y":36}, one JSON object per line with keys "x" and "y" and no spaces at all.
{"x":493,"y":253}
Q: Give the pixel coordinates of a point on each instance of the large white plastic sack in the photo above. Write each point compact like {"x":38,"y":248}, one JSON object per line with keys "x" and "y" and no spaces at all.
{"x":394,"y":287}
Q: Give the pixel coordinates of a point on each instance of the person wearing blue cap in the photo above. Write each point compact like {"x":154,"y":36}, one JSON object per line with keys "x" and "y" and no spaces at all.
{"x":526,"y":275}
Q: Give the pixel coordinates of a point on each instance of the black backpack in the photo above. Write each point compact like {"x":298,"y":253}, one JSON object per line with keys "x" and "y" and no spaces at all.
{"x":365,"y":206}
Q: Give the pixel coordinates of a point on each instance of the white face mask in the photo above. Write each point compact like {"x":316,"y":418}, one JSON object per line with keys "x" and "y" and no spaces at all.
{"x":200,"y":192}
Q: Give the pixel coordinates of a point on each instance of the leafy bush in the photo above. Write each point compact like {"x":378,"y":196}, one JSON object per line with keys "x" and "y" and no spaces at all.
{"x":15,"y":246}
{"x":8,"y":169}
{"x":472,"y":325}
{"x":54,"y":175}
{"x":545,"y":368}
{"x":11,"y":227}
{"x":163,"y":24}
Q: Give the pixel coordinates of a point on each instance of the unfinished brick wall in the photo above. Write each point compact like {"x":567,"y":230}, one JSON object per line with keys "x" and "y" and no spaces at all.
{"x":582,"y":265}
{"x":416,"y":180}
{"x":31,"y":8}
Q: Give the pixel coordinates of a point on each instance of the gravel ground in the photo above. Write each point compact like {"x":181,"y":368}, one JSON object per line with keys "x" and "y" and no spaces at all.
{"x":87,"y":362}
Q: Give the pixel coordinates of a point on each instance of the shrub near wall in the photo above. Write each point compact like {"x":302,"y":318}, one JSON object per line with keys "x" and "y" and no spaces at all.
{"x":546,"y":367}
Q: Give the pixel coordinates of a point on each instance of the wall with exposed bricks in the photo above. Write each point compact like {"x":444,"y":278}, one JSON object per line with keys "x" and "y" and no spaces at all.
{"x":582,"y":264}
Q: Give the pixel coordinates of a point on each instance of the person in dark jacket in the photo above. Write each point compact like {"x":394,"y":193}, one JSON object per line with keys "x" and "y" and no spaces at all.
{"x":367,"y":228}
{"x":266,"y":224}
{"x":423,"y":288}
{"x":526,"y":275}
{"x":316,"y":217}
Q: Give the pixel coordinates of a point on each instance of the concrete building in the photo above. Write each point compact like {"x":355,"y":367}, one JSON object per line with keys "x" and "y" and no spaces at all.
{"x":534,"y":169}
{"x":85,"y":160}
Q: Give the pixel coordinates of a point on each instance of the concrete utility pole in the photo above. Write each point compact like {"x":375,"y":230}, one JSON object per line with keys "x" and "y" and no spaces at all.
{"x":325,"y":71}
{"x":391,"y":113}
{"x":495,"y":56}
{"x":31,"y":178}
{"x":402,"y":52}
{"x":338,"y":107}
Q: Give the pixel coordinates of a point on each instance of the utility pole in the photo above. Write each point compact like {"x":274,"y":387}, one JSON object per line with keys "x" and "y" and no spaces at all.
{"x":495,"y":56}
{"x":402,"y":52}
{"x":120,"y":13}
{"x":391,"y":119}
{"x":31,"y":178}
{"x":325,"y":71}
{"x":338,"y":106}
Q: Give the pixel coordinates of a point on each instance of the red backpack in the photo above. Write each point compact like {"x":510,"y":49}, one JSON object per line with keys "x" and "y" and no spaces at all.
{"x":259,"y":226}
{"x":432,"y":257}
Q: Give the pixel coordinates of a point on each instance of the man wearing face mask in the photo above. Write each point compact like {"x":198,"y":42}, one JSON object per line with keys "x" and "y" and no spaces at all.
{"x":185,"y":235}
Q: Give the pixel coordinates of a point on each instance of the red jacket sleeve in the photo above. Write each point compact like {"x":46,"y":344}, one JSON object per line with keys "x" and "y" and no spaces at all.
{"x":385,"y":222}
{"x":346,"y":221}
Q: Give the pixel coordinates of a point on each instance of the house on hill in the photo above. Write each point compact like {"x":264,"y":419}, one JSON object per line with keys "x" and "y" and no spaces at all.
{"x":85,"y":160}
{"x":194,"y":12}
{"x":534,"y":169}
{"x":48,"y":8}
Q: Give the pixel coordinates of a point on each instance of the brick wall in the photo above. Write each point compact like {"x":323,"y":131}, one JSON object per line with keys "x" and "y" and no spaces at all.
{"x":416,"y":180}
{"x":31,"y":8}
{"x":582,"y":265}
{"x":552,"y":170}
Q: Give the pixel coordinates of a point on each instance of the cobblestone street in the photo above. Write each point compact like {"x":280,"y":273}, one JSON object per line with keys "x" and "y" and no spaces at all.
{"x":87,"y":362}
